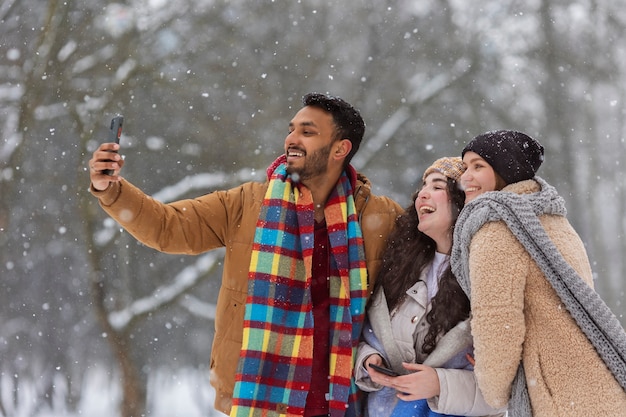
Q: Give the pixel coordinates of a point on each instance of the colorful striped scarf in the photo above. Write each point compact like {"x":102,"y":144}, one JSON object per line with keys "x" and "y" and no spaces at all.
{"x":275,"y":366}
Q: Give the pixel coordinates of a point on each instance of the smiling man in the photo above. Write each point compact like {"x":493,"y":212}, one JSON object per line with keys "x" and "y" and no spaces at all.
{"x":303,"y":248}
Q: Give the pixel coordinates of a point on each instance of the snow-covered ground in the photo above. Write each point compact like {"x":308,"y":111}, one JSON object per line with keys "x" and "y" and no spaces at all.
{"x":171,"y":393}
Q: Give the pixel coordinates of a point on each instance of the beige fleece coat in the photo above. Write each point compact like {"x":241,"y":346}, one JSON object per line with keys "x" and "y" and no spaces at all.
{"x":516,"y":315}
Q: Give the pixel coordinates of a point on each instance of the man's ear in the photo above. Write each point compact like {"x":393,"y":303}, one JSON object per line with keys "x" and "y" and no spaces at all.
{"x":342,"y":148}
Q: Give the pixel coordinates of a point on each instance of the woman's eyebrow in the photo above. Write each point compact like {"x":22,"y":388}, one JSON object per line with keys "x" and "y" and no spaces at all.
{"x":474,"y":160}
{"x":439,"y":180}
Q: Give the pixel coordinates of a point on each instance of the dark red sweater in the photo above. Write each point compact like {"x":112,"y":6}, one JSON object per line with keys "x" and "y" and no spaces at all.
{"x":316,"y":402}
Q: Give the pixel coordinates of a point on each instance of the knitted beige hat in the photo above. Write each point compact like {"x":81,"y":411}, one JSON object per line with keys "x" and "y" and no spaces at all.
{"x":451,"y":167}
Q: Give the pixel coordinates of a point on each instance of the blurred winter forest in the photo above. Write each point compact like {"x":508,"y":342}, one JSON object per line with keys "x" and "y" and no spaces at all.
{"x":207,"y":88}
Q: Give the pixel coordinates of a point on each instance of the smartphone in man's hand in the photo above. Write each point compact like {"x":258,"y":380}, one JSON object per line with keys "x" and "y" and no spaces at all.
{"x":115,"y":132}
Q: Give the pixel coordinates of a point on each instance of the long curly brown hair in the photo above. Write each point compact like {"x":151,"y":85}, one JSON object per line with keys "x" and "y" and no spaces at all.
{"x":408,"y":253}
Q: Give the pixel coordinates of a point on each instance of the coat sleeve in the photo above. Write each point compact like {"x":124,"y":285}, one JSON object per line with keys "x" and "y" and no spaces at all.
{"x":459,"y":395}
{"x":498,"y":267}
{"x":361,"y":376}
{"x":188,"y":226}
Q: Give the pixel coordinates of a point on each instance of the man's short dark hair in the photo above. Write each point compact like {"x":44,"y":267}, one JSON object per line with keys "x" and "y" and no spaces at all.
{"x":348,"y":121}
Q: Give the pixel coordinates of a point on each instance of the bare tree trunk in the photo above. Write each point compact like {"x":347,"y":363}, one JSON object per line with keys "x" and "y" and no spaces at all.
{"x":133,"y":388}
{"x":133,"y":391}
{"x":558,"y":124}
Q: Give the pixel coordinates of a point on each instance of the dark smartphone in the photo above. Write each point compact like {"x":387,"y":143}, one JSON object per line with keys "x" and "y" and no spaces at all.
{"x":385,"y":371}
{"x":114,"y":136}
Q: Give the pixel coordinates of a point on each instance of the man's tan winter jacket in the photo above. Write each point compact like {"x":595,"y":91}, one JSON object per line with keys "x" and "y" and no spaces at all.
{"x":228,"y":219}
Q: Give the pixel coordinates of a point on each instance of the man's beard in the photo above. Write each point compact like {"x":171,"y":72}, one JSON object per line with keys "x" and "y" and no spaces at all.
{"x":314,"y":165}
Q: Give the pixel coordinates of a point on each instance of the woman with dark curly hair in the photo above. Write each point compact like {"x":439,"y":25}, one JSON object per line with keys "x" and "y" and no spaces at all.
{"x":418,"y":315}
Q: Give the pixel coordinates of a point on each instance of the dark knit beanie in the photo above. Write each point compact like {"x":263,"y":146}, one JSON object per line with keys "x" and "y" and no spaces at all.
{"x":512,"y":155}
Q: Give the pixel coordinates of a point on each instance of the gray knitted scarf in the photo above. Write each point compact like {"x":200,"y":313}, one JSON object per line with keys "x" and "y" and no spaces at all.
{"x":520,"y":213}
